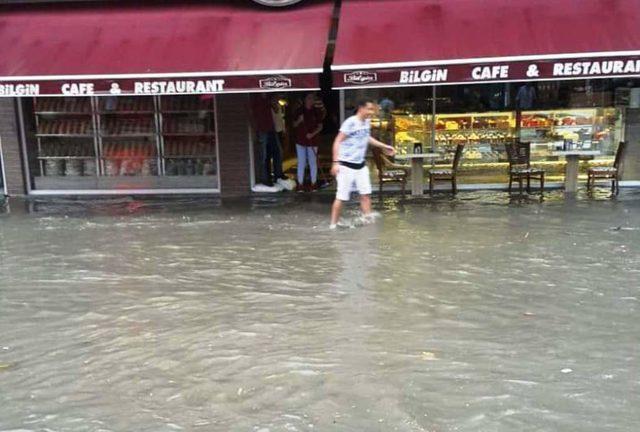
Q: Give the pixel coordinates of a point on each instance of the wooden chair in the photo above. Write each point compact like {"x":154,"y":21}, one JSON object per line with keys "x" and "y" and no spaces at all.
{"x":519,"y":155}
{"x":388,"y":171}
{"x":612,"y":173}
{"x":447,"y":174}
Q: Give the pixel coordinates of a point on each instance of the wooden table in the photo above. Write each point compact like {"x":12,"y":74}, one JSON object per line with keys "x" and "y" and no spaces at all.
{"x":417,"y":171}
{"x":573,"y":161}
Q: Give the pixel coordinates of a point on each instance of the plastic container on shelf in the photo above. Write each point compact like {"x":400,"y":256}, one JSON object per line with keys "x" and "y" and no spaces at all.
{"x":112,"y":167}
{"x":207,"y":168}
{"x":73,"y":167}
{"x":89,"y":167}
{"x":53,"y":167}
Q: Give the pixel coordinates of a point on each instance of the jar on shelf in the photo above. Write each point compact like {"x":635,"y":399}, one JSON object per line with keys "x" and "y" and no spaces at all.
{"x":54,"y":167}
{"x":73,"y":167}
{"x":89,"y":167}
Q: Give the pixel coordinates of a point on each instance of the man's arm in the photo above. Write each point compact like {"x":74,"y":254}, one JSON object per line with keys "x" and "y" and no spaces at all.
{"x":336,"y":146}
{"x":387,"y":148}
{"x":335,"y":167}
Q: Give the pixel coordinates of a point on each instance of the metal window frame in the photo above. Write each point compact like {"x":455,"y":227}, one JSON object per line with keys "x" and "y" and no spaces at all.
{"x":2,"y":171}
{"x":89,"y":192}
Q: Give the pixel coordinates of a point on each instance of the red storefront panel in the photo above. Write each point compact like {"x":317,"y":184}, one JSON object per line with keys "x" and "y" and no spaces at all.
{"x":418,"y":42}
{"x":161,"y":49}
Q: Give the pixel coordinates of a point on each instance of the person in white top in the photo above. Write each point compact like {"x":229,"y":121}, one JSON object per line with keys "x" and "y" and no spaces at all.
{"x":348,"y":166}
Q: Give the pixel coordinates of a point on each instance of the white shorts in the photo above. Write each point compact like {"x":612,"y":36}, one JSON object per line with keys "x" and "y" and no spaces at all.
{"x":347,"y":178}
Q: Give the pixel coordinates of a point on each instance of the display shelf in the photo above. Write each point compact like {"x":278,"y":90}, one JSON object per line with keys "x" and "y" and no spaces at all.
{"x":189,"y":157}
{"x":127,"y":157}
{"x":188,"y":134}
{"x":65,"y":105}
{"x":472,"y":130}
{"x":185,"y":103}
{"x":66,"y":157}
{"x":63,"y":113}
{"x":129,"y":135}
{"x":126,"y":112}
{"x":208,"y":110}
{"x":39,"y":135}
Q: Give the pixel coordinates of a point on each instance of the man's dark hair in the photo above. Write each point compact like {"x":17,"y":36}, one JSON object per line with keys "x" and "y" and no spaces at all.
{"x":363,"y":102}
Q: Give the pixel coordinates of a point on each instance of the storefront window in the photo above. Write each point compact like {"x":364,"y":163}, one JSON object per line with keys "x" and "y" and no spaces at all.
{"x":553,"y":116}
{"x":2,"y":187}
{"x":117,"y":142}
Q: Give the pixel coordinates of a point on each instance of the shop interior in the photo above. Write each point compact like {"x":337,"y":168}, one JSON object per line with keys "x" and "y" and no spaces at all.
{"x":557,"y":115}
{"x":286,"y":109}
{"x":119,"y":142}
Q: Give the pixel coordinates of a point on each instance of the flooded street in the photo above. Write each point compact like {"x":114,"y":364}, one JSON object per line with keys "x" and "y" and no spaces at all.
{"x":468,"y":314}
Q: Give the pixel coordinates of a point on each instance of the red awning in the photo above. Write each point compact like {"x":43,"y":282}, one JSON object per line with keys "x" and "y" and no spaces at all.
{"x":162,"y":49}
{"x":422,"y":42}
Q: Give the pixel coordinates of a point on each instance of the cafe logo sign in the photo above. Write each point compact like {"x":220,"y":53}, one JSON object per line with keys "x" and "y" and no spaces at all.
{"x":275,"y":83}
{"x":360,"y":77}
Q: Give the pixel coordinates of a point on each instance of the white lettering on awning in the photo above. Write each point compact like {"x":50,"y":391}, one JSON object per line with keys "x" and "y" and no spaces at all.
{"x":490,"y":72}
{"x":178,"y":87}
{"x":77,"y":89}
{"x":423,"y":76}
{"x":19,"y":89}
{"x":604,"y":67}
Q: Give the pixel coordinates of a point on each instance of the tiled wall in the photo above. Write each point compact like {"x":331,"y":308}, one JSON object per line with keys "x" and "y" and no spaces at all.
{"x":11,"y":147}
{"x":234,"y":148}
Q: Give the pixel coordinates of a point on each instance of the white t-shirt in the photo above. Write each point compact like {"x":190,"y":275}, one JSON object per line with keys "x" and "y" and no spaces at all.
{"x":354,"y":147}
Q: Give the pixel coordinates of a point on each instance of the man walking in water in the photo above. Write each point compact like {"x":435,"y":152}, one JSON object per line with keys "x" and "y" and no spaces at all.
{"x":348,"y":166}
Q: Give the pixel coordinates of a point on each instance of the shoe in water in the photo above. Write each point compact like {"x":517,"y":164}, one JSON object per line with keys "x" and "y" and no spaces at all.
{"x":333,"y":226}
{"x":367,"y":219}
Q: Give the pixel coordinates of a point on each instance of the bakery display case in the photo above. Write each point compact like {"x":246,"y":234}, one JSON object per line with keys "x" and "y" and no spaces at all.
{"x":141,"y":142}
{"x":586,"y":129}
{"x":485,"y":134}
{"x":64,"y":131}
{"x":411,"y":129}
{"x":128,"y":145}
{"x":188,"y":136}
{"x":596,"y":129}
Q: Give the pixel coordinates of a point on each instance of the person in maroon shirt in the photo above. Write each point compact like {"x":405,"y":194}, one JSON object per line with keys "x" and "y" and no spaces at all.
{"x":269,"y":143}
{"x":308,"y":125}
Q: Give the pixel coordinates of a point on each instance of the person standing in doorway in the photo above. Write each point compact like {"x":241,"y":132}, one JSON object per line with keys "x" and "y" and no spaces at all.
{"x":348,"y":166}
{"x":277,"y":111}
{"x":525,"y":99}
{"x":268,"y":141}
{"x":308,"y":126}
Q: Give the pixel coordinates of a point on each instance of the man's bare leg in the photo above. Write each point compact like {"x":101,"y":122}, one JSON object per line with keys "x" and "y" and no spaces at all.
{"x":365,"y":204}
{"x":336,"y":208}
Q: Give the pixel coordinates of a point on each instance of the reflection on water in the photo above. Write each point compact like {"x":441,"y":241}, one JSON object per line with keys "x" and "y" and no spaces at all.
{"x":475,"y":313}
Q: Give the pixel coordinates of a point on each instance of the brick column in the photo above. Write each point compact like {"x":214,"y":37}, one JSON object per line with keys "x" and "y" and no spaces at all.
{"x":631,"y":169}
{"x":233,"y":143}
{"x":11,"y":151}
